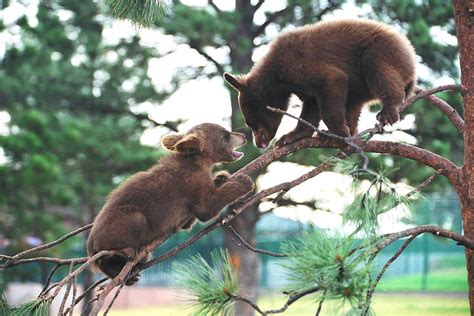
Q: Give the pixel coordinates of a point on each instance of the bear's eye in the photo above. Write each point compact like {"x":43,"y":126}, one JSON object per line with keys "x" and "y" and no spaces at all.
{"x":226,"y":136}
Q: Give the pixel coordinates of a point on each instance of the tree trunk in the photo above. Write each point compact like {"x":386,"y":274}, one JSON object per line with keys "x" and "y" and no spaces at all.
{"x":246,"y":262}
{"x":464,"y":15}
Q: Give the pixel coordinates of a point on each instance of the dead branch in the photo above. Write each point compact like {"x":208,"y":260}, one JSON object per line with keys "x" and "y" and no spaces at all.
{"x":11,"y":260}
{"x":252,"y":248}
{"x":447,"y":109}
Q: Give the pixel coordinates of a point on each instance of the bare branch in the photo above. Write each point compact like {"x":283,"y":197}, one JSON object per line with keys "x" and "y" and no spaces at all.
{"x":447,"y":109}
{"x":59,"y":261}
{"x":13,"y":259}
{"x":66,"y":294}
{"x":76,"y":272}
{"x":48,"y":279}
{"x":258,"y":5}
{"x":270,"y":19}
{"x":435,"y":230}
{"x":252,"y":248}
{"x":347,"y":140}
{"x":84,"y":294}
{"x":214,"y":6}
{"x":371,"y":290}
{"x":291,"y":299}
{"x":201,"y":51}
{"x":114,"y":298}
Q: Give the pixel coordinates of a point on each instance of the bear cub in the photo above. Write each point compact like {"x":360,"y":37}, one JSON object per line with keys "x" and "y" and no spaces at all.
{"x":334,"y":68}
{"x":168,"y":197}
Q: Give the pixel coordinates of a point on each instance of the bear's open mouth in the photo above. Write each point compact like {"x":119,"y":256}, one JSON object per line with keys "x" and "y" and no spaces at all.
{"x":237,"y":154}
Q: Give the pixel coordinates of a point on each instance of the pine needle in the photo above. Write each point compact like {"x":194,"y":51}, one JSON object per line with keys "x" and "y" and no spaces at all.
{"x":5,"y":309}
{"x":211,"y":285}
{"x":327,"y":262}
{"x":38,"y":307}
{"x":140,"y":12}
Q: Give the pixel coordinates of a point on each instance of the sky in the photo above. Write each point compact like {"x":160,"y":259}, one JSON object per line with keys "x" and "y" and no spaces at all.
{"x":207,"y":100}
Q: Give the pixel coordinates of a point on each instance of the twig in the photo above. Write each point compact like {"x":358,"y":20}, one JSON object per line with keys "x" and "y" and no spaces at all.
{"x":435,"y":230}
{"x":320,"y":305}
{"x":447,"y":109}
{"x":80,"y":269}
{"x":247,"y":301}
{"x":250,"y":247}
{"x":84,"y":294}
{"x":48,"y":279}
{"x":293,"y":298}
{"x":66,"y":294}
{"x":59,"y":261}
{"x":14,"y":258}
{"x":371,"y":290}
{"x":114,"y":298}
{"x":214,"y":6}
{"x":127,"y":268}
{"x":348,"y":140}
{"x":73,"y":299}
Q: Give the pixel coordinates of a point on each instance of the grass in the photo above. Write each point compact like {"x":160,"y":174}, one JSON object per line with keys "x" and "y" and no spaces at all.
{"x":384,"y":304}
{"x":446,"y":298}
{"x":446,"y":280}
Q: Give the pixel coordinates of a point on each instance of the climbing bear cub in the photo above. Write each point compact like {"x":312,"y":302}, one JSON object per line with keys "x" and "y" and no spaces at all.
{"x":168,"y":197}
{"x":334,"y":68}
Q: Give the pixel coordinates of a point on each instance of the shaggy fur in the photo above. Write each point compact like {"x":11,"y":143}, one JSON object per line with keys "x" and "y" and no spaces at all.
{"x":334,"y":68}
{"x":168,"y":197}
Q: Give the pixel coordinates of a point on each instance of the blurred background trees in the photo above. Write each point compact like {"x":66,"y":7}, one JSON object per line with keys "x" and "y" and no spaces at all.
{"x":71,"y":98}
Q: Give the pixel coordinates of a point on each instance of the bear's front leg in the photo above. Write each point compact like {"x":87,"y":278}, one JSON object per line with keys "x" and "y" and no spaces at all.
{"x":309,"y":113}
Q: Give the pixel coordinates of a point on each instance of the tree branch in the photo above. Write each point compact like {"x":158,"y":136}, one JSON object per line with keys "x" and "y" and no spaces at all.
{"x":214,"y":6}
{"x":252,"y":248}
{"x":258,"y":5}
{"x":270,"y":19}
{"x":11,"y":260}
{"x":201,"y":51}
{"x":447,"y":109}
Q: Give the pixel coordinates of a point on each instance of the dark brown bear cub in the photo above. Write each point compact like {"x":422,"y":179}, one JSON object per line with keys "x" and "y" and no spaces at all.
{"x":169,"y":196}
{"x":334,"y":68}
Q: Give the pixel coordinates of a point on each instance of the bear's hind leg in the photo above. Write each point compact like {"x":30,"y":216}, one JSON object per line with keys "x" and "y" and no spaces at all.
{"x":332,"y":101}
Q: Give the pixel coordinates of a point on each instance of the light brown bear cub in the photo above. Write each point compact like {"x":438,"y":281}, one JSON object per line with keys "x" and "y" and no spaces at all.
{"x":169,"y":196}
{"x":334,"y":68}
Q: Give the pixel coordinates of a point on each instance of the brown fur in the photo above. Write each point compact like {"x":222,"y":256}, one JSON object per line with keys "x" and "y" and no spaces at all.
{"x":169,"y":196}
{"x":334,"y":68}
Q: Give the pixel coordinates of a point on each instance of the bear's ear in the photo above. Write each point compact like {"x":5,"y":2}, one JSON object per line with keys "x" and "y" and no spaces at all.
{"x":169,"y":141}
{"x":237,"y":83}
{"x":190,"y":144}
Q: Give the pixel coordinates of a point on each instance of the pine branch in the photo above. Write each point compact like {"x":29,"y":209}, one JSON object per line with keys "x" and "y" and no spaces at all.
{"x":140,"y":12}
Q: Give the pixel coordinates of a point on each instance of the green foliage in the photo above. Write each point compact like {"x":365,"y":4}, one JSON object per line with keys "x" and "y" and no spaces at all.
{"x":38,"y":307}
{"x":140,"y":12}
{"x":5,"y":309}
{"x":335,"y":264}
{"x":379,"y":197}
{"x":211,"y":285}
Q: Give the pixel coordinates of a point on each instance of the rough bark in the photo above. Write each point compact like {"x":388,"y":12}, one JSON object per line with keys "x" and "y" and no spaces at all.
{"x":464,"y":14}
